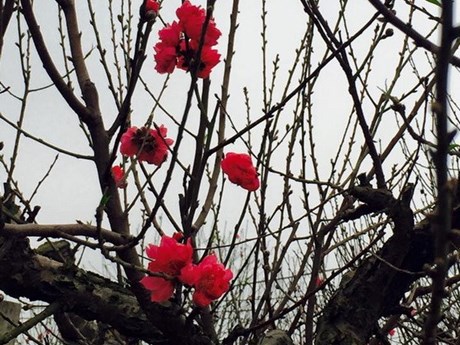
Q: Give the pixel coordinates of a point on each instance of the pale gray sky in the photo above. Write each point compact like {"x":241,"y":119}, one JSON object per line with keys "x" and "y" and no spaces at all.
{"x":72,"y":191}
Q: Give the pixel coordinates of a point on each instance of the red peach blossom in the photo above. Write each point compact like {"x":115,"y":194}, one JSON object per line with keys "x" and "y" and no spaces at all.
{"x":209,"y":278}
{"x":170,"y":257}
{"x":166,"y":49}
{"x":160,"y":289}
{"x":118,"y":175}
{"x":170,"y":35}
{"x":192,"y":18}
{"x":240,"y":170}
{"x":152,"y":5}
{"x":209,"y":59}
{"x":150,"y":145}
{"x":128,"y":146}
{"x":165,"y":58}
{"x":179,"y":42}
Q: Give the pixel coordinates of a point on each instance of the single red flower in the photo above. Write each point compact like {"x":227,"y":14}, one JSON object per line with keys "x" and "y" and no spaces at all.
{"x":150,"y":145}
{"x":152,"y":5}
{"x":170,"y":257}
{"x":391,"y":332}
{"x":118,"y":175}
{"x":179,"y":42}
{"x":209,"y":278}
{"x":239,"y":169}
{"x":167,"y":49}
{"x":192,"y":18}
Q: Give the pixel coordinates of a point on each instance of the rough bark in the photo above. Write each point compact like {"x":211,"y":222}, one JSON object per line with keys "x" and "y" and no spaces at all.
{"x":379,"y":283}
{"x":276,"y":337}
{"x":23,"y":273}
{"x":9,"y":316}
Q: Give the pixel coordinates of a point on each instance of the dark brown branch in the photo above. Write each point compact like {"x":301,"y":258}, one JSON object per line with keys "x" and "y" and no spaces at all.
{"x":6,"y":11}
{"x":334,"y":44}
{"x":62,"y":230}
{"x":24,"y":327}
{"x":417,"y":37}
{"x":87,"y":87}
{"x":48,"y":63}
{"x":445,"y":191}
{"x":381,"y":280}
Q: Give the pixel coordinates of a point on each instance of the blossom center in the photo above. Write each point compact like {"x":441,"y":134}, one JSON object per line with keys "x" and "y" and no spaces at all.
{"x":143,"y":139}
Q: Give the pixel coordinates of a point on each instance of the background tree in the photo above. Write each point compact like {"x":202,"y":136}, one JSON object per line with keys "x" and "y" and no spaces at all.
{"x":337,"y":208}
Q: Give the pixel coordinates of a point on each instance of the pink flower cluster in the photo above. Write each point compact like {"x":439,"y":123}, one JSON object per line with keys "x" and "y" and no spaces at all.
{"x":179,"y":42}
{"x":209,"y":278}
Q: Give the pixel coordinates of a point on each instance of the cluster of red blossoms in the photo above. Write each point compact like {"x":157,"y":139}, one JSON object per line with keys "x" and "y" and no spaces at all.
{"x":240,"y":170}
{"x":179,"y":43}
{"x":209,"y":278}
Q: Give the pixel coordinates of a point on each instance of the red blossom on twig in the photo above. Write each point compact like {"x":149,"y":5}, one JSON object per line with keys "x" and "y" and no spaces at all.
{"x":150,"y":145}
{"x":152,"y":5}
{"x":118,"y":175}
{"x":240,"y":170}
{"x":170,"y":257}
{"x":210,"y":279}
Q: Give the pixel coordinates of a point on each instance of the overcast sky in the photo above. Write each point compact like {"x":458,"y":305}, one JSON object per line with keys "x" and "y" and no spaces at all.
{"x":72,"y":192}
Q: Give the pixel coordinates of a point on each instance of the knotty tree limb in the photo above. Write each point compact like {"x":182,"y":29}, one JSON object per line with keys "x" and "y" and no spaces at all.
{"x":381,"y":280}
{"x":23,"y":273}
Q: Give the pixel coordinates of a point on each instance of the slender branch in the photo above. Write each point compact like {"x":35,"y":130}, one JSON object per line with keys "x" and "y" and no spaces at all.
{"x":42,"y":142}
{"x":409,"y":31}
{"x":331,"y":41}
{"x":293,"y":93}
{"x":32,"y":322}
{"x":87,"y":87}
{"x":48,"y":63}
{"x":61,"y":230}
{"x":445,"y":191}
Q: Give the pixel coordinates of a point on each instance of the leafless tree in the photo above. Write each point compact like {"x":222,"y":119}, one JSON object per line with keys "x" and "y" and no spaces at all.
{"x":352,"y":236}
